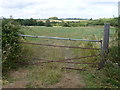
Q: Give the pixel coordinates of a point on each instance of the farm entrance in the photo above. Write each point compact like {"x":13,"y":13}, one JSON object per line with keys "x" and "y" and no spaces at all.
{"x":73,"y":54}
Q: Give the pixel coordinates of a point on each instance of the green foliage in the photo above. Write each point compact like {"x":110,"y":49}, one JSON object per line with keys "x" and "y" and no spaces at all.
{"x":74,"y":24}
{"x":48,"y":23}
{"x":65,"y":24}
{"x":40,"y":23}
{"x":83,"y":23}
{"x":91,"y":19}
{"x":113,"y":65}
{"x":29,"y":22}
{"x":113,"y":54}
{"x":112,"y":21}
{"x":113,"y":73}
{"x":51,"y":73}
{"x":91,"y":22}
{"x":10,"y":46}
{"x":56,"y":23}
{"x":53,"y":18}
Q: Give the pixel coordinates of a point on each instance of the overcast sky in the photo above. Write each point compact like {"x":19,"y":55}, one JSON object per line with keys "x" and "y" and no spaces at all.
{"x":60,"y":8}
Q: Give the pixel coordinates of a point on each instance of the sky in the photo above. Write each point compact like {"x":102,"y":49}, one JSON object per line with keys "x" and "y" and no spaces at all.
{"x":40,"y":9}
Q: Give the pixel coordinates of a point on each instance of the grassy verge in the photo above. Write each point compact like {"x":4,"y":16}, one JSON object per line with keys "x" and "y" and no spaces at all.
{"x":100,"y":78}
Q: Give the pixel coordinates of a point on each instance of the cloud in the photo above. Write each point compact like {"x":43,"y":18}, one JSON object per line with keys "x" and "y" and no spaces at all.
{"x":60,"y":8}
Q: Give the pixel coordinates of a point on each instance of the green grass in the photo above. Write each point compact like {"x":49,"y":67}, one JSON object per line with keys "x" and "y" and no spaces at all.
{"x":51,"y":73}
{"x":98,"y":79}
{"x":44,"y":75}
{"x":67,"y":32}
{"x":52,"y":53}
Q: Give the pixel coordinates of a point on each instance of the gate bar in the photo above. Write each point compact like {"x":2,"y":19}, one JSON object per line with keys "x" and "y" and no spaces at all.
{"x":59,"y":38}
{"x":58,"y":46}
{"x":74,"y":68}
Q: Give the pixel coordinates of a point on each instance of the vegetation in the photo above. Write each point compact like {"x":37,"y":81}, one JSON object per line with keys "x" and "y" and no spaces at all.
{"x":53,"y":18}
{"x":93,"y":78}
{"x":47,"y":23}
{"x":0,"y":52}
{"x":68,"y":32}
{"x":73,"y":23}
{"x":112,"y":21}
{"x":10,"y":47}
{"x":112,"y":67}
{"x":44,"y":75}
{"x":65,"y":24}
{"x":48,"y":75}
{"x":29,"y":22}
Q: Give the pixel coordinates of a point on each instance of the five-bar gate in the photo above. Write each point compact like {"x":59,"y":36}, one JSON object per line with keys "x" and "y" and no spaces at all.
{"x":103,"y":48}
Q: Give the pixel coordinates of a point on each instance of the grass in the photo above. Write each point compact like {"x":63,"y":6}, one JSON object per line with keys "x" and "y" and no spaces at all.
{"x":67,"y":32}
{"x":48,"y":74}
{"x":98,"y":79}
{"x":44,"y":75}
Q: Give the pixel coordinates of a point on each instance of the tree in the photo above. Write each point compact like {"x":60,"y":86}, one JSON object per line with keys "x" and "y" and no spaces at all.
{"x":32,"y":22}
{"x":40,"y":23}
{"x":53,"y":18}
{"x":91,"y":19}
{"x":66,"y":24}
{"x":48,"y":23}
{"x":11,"y":17}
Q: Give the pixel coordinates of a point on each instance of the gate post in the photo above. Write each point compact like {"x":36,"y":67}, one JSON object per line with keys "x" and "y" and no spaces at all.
{"x":105,"y":45}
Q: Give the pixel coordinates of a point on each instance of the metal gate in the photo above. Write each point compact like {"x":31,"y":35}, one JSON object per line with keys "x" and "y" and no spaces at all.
{"x":68,"y":60}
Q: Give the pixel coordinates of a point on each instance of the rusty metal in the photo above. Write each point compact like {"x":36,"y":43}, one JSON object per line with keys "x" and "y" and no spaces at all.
{"x":65,"y":62}
{"x":41,"y":61}
{"x":59,"y":46}
{"x":61,"y":61}
{"x":46,"y":60}
{"x":74,"y":69}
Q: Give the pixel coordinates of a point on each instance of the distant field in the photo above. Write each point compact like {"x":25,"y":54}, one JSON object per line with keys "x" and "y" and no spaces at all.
{"x":68,"y":32}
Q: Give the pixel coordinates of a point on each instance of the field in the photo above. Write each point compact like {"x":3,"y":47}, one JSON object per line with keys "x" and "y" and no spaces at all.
{"x":67,"y":32}
{"x":52,"y":74}
{"x":89,"y":33}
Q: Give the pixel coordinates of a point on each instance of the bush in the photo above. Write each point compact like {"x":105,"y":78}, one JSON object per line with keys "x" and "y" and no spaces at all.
{"x":65,"y":24}
{"x":48,"y":23}
{"x":10,"y":47}
{"x":83,"y":23}
{"x":112,"y":21}
{"x":40,"y":23}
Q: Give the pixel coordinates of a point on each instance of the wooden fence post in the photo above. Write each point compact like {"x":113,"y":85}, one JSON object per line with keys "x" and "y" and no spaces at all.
{"x":119,"y":28}
{"x":104,"y":52}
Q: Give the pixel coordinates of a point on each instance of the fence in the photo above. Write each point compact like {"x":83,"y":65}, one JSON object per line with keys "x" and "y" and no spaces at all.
{"x":103,"y":48}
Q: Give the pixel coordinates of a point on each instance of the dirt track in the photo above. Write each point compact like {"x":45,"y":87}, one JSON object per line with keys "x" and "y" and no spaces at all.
{"x":69,"y":80}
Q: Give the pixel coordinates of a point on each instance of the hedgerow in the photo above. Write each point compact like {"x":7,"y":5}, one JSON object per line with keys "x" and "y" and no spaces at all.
{"x":10,"y":47}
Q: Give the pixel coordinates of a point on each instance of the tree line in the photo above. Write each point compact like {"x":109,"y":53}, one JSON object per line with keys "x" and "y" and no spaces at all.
{"x":49,"y":23}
